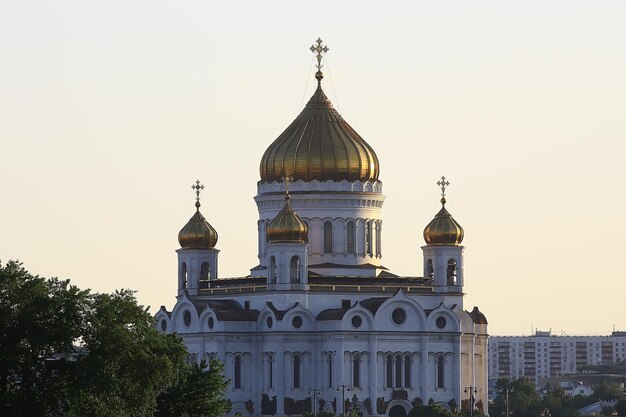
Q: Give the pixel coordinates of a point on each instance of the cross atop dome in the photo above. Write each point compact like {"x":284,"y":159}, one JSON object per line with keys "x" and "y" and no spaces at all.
{"x":197,"y":187}
{"x":443,"y":184}
{"x":319,"y":50}
{"x":287,"y":179}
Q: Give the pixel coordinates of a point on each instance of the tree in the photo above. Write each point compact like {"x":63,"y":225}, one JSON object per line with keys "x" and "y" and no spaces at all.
{"x":64,"y":351}
{"x":607,"y":391}
{"x":432,"y":410}
{"x":523,"y":398}
{"x":195,"y":392}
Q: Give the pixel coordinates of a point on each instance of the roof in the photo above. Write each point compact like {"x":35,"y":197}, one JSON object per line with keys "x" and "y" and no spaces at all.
{"x":227,"y":310}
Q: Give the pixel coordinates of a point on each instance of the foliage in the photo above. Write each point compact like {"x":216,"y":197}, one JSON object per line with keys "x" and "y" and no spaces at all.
{"x":195,"y":392}
{"x":319,"y":414}
{"x":65,"y":351}
{"x":432,"y":410}
{"x":620,"y":407}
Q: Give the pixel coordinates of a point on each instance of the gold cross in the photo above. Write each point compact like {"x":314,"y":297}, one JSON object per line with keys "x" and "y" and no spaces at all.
{"x":287,"y":179}
{"x":319,"y":50}
{"x":443,"y":184}
{"x":197,"y":187}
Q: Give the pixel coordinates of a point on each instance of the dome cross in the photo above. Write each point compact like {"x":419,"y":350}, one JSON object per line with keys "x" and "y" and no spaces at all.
{"x":319,"y":50}
{"x":197,"y":187}
{"x":443,"y":184}
{"x":287,"y":179}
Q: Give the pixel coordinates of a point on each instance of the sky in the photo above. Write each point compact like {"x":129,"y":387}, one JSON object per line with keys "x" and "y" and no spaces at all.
{"x":109,"y":111}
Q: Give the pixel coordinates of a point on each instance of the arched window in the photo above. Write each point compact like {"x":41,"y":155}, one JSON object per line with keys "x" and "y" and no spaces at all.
{"x":356,"y":371}
{"x":440,"y":371}
{"x":271,"y":273}
{"x":330,"y":370}
{"x":452,"y":272}
{"x":294,"y":270}
{"x":379,"y":246}
{"x":204,"y":271}
{"x":328,"y":237}
{"x":398,"y":371}
{"x":296,"y":371}
{"x":237,"y":372}
{"x":389,"y":371}
{"x":407,"y":371}
{"x":430,"y":271}
{"x":350,"y":241}
{"x":368,"y":238}
{"x":270,"y":370}
{"x":183,"y":274}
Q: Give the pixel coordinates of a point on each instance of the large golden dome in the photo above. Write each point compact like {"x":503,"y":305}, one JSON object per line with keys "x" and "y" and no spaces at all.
{"x":443,"y":229}
{"x":197,"y":233}
{"x":319,"y":145}
{"x":286,"y":226}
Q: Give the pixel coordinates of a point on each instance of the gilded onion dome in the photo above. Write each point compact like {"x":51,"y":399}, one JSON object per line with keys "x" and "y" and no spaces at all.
{"x":287,"y":226}
{"x":197,"y":233}
{"x":319,"y":144}
{"x":443,"y":229}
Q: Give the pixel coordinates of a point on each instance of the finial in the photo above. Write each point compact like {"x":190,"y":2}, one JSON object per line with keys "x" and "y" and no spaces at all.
{"x":197,"y":187}
{"x":319,"y":50}
{"x":287,"y":179}
{"x":443,"y":183}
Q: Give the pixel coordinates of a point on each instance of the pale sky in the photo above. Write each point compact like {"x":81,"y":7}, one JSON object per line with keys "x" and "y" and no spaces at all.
{"x":110,"y":110}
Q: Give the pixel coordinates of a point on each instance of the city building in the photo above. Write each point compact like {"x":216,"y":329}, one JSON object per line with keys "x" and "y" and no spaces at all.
{"x":544,"y":355}
{"x":320,"y":323}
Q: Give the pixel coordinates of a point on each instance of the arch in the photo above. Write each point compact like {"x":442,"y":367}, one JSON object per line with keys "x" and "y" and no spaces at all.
{"x":451,"y":272}
{"x":430,"y":270}
{"x":398,"y":408}
{"x":350,"y":237}
{"x":328,"y":237}
{"x":204,"y":271}
{"x":294,"y":270}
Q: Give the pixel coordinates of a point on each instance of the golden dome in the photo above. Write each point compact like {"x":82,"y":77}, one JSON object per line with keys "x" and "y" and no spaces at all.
{"x":443,"y":229}
{"x":197,"y":233}
{"x":319,"y":145}
{"x":287,"y":226}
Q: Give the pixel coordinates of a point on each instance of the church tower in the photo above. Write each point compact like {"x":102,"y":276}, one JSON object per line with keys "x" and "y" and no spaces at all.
{"x":197,"y":256}
{"x":443,"y":253}
{"x":335,"y":189}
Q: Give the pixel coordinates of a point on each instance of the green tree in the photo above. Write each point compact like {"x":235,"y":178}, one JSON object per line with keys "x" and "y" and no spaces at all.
{"x":607,"y":391}
{"x":523,"y":398}
{"x":432,"y":410}
{"x":195,"y":392}
{"x":69,"y":352}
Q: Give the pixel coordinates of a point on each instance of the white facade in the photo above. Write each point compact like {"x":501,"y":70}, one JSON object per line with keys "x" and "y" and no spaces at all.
{"x":320,"y":314}
{"x":544,"y":355}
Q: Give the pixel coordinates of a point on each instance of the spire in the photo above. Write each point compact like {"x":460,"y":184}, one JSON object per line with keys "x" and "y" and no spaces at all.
{"x":197,"y":233}
{"x":319,"y":52}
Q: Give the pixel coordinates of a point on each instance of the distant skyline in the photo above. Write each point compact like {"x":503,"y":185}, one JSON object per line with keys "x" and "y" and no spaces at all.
{"x":109,"y":111}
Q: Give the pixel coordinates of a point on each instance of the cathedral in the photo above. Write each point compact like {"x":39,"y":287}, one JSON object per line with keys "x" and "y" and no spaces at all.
{"x":320,"y":324}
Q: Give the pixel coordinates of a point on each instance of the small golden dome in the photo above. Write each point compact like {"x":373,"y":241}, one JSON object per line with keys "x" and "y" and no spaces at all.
{"x":319,"y":145}
{"x":197,"y":233}
{"x":443,"y":229}
{"x":287,"y":226}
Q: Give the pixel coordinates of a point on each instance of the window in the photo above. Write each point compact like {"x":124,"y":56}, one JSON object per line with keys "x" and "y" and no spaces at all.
{"x":330,"y":370}
{"x":368,"y":238}
{"x":296,"y":371}
{"x":452,"y":272}
{"x":271,"y":273}
{"x":237,"y":372}
{"x":294,"y":270}
{"x":398,"y":371}
{"x":328,"y":237}
{"x":204,"y":271}
{"x":270,"y":370}
{"x":187,"y":318}
{"x":407,"y":371}
{"x":356,"y":371}
{"x":440,"y":371}
{"x":430,"y":271}
{"x":389,"y":371}
{"x":379,"y":249}
{"x":183,"y":274}
{"x":350,"y":243}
